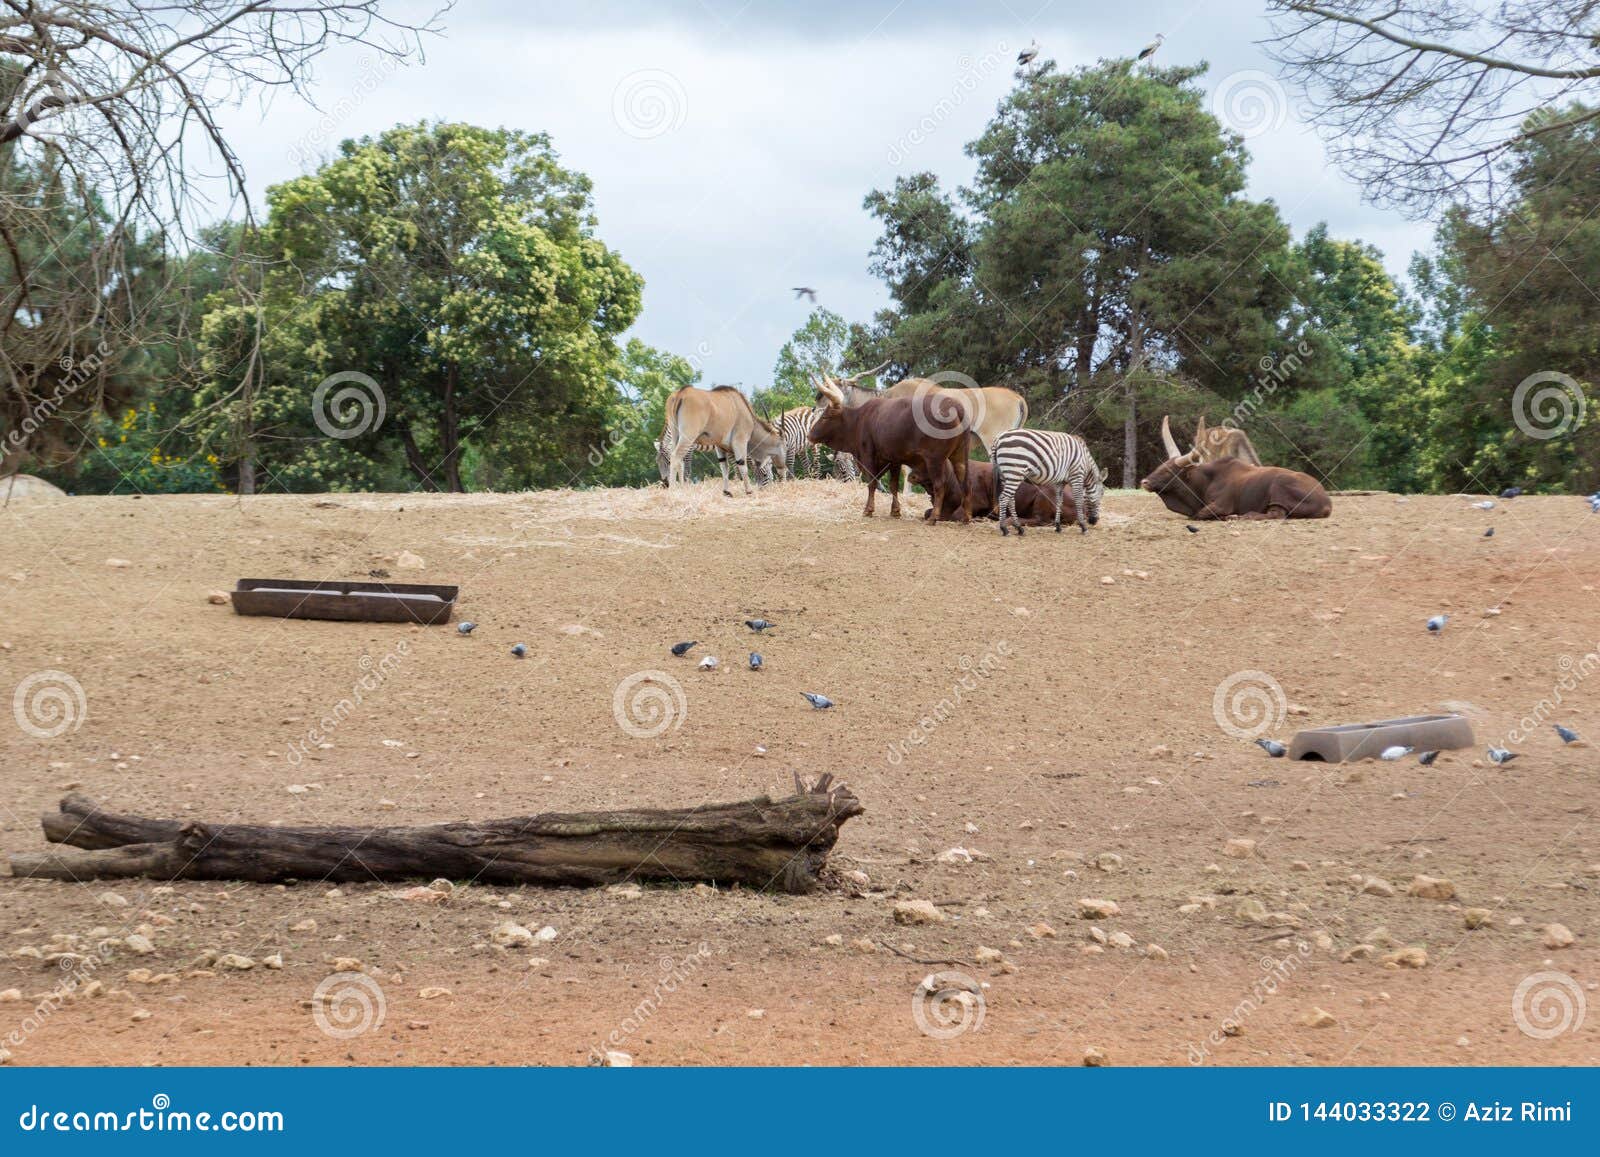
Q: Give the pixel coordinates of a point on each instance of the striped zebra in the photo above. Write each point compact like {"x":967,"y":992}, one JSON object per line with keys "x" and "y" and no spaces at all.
{"x":1046,"y":457}
{"x":795,"y":427}
{"x":664,"y":462}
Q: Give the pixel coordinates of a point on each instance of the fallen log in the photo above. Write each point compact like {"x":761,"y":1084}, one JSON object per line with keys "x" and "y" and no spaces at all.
{"x":762,"y":843}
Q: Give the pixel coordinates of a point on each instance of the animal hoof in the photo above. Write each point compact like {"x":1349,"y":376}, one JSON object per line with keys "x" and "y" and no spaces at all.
{"x":1019,"y":531}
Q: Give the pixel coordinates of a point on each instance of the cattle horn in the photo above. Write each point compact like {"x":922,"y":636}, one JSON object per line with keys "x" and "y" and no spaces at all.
{"x":856,"y":377}
{"x":1166,"y":438}
{"x":1200,"y":432}
{"x":830,"y":391}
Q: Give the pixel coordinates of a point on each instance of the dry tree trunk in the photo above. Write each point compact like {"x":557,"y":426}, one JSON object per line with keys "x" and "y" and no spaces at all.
{"x":763,"y":843}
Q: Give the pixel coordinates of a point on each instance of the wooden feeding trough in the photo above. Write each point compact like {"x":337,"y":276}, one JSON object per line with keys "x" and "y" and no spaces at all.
{"x":1352,"y":741}
{"x":367,"y":602}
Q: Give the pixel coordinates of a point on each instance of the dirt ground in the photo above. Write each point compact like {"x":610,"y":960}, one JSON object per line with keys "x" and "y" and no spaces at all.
{"x":1049,"y":706}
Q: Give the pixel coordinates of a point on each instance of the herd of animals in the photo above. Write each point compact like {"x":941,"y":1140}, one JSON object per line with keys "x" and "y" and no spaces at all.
{"x":924,"y":430}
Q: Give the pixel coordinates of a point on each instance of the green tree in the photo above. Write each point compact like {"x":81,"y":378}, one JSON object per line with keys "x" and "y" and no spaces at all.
{"x":818,"y":347}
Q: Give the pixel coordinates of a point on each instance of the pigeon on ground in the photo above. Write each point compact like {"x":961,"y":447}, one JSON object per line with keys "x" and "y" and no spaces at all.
{"x":1192,"y":529}
{"x":1567,"y":734}
{"x":1489,"y":533}
{"x":1486,"y":504}
{"x":820,"y":702}
{"x":1427,"y":758}
{"x":466,"y":627}
{"x":1501,"y":755}
{"x":758,"y":625}
{"x":680,"y":649}
{"x":709,"y":663}
{"x":519,"y":650}
{"x":1272,"y":747}
{"x":1390,"y":754}
{"x":755,"y":660}
{"x":1436,"y":624}
{"x":1511,"y":492}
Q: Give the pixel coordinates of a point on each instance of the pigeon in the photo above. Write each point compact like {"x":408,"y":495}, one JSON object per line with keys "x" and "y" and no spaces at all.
{"x":466,"y":627}
{"x":1436,"y":624}
{"x":1486,"y":504}
{"x":1511,"y":492}
{"x":1567,"y":734}
{"x":1427,"y":758}
{"x":806,"y":292}
{"x":520,"y":650}
{"x":1272,"y":747}
{"x":1390,"y":754}
{"x":680,"y":649}
{"x":820,"y":702}
{"x":1149,"y":50}
{"x":1192,"y":529}
{"x":709,"y":663}
{"x":1489,"y":533}
{"x":1026,"y":56}
{"x":755,"y":660}
{"x":1501,"y":755}
{"x":758,"y":625}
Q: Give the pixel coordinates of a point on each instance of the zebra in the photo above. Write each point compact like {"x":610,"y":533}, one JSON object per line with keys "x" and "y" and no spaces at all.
{"x":1046,"y":456}
{"x":795,"y":426}
{"x":664,"y":462}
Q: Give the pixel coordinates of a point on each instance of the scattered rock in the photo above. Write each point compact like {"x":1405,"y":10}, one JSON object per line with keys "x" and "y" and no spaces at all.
{"x":1357,"y":952}
{"x":421,"y":895}
{"x":1041,"y":931}
{"x":1474,"y":918}
{"x":405,"y":560}
{"x":1094,"y":1057}
{"x":138,"y":945}
{"x":1432,"y":888}
{"x":833,"y":941}
{"x":139,"y":1014}
{"x":112,"y":900}
{"x":1377,"y":886}
{"x":1319,"y":1018}
{"x":511,"y":935}
{"x":236,"y":962}
{"x":612,"y":1059}
{"x":985,"y":955}
{"x":917,"y":912}
{"x":1120,"y":940}
{"x":118,"y":563}
{"x":346,"y":964}
{"x":1239,"y":849}
{"x":1090,"y":909}
{"x":272,"y":963}
{"x":1155,"y":952}
{"x":10,"y":995}
{"x":433,"y":993}
{"x":1413,"y":956}
{"x":1558,"y":936}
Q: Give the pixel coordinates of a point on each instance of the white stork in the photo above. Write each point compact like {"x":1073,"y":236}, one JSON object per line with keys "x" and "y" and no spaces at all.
{"x":806,"y":292}
{"x":1026,"y":56}
{"x":1149,"y":50}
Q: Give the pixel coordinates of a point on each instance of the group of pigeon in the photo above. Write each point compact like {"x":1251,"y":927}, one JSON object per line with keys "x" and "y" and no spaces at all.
{"x":759,"y":626}
{"x":467,"y":626}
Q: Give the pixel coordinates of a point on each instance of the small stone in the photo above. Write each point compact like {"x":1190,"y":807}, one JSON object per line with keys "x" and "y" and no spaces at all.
{"x":1413,"y":956}
{"x":10,"y":995}
{"x":139,"y":1014}
{"x":1094,"y":1057}
{"x":1319,"y":1018}
{"x":1108,"y":862}
{"x":217,"y":598}
{"x":1097,"y":935}
{"x":1251,"y":910}
{"x":617,"y":1060}
{"x":1041,"y":931}
{"x":1155,"y":952}
{"x":864,"y":946}
{"x":1239,"y":849}
{"x":1358,"y":952}
{"x":756,"y":1013}
{"x":138,"y":945}
{"x":511,"y":935}
{"x":1558,"y":936}
{"x":1299,"y":866}
{"x":1161,"y":751}
{"x":1432,"y":888}
{"x":546,"y":934}
{"x":833,"y":941}
{"x":917,"y":912}
{"x":273,"y":963}
{"x":306,"y":925}
{"x":347,"y":964}
{"x":118,"y":563}
{"x":1474,"y":918}
{"x":985,"y":955}
{"x":1090,"y":909}
{"x":433,"y":993}
{"x":1377,"y":886}
{"x":1120,"y":940}
{"x":112,"y":900}
{"x":405,"y":560}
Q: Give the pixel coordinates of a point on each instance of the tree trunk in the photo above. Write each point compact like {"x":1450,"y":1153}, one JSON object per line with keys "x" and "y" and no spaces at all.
{"x":247,"y":470}
{"x":450,"y":432}
{"x":763,"y":843}
{"x":414,"y":457}
{"x":1130,"y":425}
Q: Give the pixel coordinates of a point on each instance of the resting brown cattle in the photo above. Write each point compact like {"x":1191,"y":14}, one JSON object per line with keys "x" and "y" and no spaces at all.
{"x":1228,"y":488}
{"x":1034,"y":505}
{"x":886,"y":434}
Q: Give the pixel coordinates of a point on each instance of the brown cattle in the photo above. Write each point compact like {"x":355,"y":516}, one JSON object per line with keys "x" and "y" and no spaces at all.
{"x":886,"y":434}
{"x":1228,"y":488}
{"x":1034,"y":504}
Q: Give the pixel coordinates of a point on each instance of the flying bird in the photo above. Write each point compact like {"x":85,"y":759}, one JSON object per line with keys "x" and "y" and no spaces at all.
{"x":1436,"y":624}
{"x":519,"y":650}
{"x":806,"y":292}
{"x":1567,"y":734}
{"x":758,"y":625}
{"x":1427,"y":758}
{"x":1390,"y":754}
{"x":680,"y":649}
{"x":1272,"y":747}
{"x":1149,"y":50}
{"x":1025,"y":57}
{"x":709,"y":663}
{"x":755,"y":660}
{"x":466,"y":627}
{"x":1511,"y":492}
{"x":1501,"y":755}
{"x":1489,"y":533}
{"x":820,"y":702}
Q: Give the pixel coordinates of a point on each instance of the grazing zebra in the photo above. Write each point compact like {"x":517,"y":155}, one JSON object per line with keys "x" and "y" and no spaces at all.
{"x":1046,"y":456}
{"x":664,"y":462}
{"x":794,"y":425}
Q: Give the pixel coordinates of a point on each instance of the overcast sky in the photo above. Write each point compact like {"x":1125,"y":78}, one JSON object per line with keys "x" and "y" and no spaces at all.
{"x":730,"y":144}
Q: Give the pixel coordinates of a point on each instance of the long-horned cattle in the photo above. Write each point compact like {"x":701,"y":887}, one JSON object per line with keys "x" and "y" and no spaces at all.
{"x":888,"y":434}
{"x":988,"y":411}
{"x":1229,"y":488}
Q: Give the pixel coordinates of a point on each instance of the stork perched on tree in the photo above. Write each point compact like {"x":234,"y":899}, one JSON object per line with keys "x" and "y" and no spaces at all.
{"x":1149,"y":50}
{"x":1027,"y":55}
